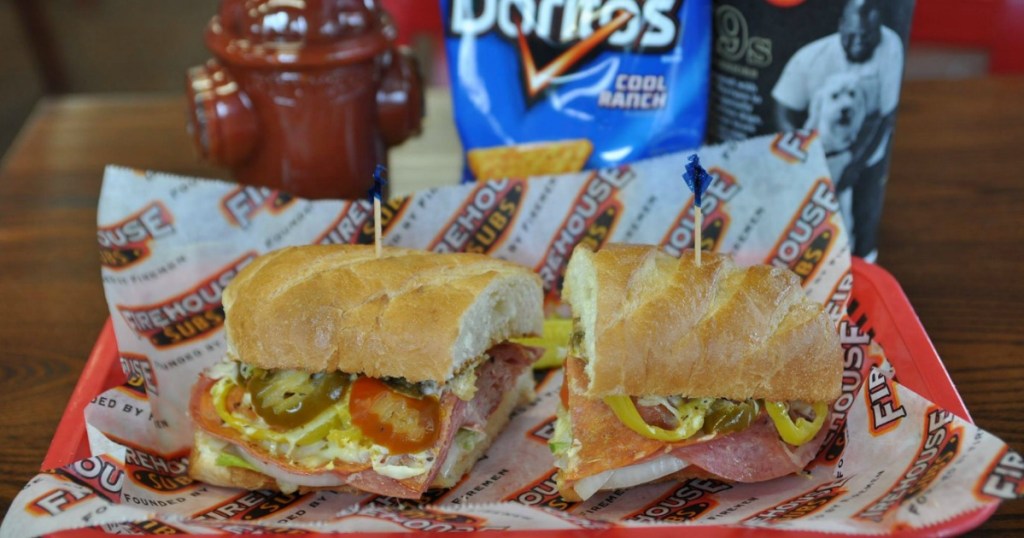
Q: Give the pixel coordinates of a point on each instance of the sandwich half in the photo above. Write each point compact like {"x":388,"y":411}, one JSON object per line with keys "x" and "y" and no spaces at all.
{"x":388,"y":375}
{"x":676,"y":370}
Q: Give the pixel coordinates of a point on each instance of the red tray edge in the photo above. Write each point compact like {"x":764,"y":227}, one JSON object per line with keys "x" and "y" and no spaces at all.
{"x":911,"y":332}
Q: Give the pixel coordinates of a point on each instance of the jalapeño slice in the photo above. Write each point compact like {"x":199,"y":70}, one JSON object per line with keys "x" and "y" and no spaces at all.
{"x":726,"y":416}
{"x":291,"y":398}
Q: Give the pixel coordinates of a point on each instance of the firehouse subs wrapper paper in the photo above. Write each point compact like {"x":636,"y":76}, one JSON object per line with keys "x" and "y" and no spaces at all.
{"x":169,"y":245}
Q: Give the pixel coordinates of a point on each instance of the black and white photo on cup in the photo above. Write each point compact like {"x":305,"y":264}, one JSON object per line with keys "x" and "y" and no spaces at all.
{"x":846,"y":86}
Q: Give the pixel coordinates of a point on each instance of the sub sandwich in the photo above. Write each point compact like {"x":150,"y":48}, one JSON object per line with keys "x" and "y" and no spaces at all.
{"x":677,"y":370}
{"x":388,"y":375}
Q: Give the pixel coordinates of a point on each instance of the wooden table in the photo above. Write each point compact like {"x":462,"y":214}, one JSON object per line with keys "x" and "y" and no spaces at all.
{"x":952,"y":234}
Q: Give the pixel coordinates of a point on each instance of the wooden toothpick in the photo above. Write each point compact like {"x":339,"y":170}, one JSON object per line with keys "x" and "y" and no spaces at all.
{"x":698,"y":180}
{"x":376,"y":225}
{"x":376,"y":192}
{"x":698,"y":224}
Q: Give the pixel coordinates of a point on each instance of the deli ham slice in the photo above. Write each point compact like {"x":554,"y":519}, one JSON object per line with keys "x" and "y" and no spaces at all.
{"x":752,"y":455}
{"x":493,"y":382}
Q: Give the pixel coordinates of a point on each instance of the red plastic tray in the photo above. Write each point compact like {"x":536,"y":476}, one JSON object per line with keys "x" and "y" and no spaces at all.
{"x":879,"y":305}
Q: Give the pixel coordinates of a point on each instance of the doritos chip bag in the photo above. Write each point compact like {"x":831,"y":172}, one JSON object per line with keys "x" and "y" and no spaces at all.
{"x":554,"y":86}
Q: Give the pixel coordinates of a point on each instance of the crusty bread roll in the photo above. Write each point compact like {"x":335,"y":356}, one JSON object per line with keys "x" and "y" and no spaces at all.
{"x":409,"y":313}
{"x":654,"y":325}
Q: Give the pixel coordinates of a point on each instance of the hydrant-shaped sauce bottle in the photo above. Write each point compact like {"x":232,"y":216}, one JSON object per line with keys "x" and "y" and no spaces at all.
{"x":303,"y":95}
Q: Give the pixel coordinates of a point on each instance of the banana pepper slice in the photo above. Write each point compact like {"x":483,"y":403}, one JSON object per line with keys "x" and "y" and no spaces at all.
{"x":691,"y":418}
{"x":801,"y":430}
{"x":692,"y":414}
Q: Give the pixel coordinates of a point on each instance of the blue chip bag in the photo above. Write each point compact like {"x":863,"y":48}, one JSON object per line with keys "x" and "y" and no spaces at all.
{"x":612,"y":81}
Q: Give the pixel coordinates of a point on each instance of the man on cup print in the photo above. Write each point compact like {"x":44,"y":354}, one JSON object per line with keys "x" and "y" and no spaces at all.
{"x":846,"y":85}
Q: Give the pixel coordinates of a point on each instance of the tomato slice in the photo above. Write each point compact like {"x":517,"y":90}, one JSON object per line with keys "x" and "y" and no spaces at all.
{"x":401,"y":423}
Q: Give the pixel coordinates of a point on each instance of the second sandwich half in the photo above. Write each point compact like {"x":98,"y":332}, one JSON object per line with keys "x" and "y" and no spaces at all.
{"x":389,"y":375}
{"x":679,"y":370}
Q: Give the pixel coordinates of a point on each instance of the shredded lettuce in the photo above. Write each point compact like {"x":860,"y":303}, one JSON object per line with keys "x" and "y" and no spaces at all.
{"x":557,"y":447}
{"x":225,"y":459}
{"x":467,"y":440}
{"x":561,"y":439}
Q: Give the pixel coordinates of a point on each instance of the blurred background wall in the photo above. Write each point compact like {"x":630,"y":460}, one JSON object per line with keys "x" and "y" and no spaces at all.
{"x":50,"y":47}
{"x":94,"y":46}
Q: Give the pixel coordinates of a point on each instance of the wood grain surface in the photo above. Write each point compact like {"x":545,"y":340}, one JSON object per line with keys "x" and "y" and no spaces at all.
{"x":952,"y":234}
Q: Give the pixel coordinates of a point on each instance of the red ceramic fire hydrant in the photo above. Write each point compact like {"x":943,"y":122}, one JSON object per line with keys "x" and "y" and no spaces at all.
{"x":303,"y":95}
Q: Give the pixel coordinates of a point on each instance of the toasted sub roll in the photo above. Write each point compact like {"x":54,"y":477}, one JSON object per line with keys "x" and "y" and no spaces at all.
{"x":339,"y":307}
{"x":654,"y":325}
